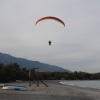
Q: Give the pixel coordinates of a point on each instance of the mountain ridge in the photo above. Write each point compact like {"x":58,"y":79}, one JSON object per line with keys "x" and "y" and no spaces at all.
{"x":28,"y":64}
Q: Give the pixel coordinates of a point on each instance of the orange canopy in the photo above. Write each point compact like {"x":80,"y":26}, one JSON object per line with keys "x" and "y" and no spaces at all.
{"x":50,"y":17}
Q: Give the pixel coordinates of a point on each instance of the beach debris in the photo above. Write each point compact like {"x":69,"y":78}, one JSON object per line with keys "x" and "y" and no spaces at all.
{"x":18,"y":80}
{"x":62,"y":82}
{"x":83,"y":86}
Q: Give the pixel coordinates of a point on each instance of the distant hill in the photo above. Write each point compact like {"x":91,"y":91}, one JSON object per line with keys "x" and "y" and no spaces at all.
{"x":28,"y":64}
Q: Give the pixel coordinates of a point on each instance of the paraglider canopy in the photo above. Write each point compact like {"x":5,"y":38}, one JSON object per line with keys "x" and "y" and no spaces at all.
{"x":50,"y":17}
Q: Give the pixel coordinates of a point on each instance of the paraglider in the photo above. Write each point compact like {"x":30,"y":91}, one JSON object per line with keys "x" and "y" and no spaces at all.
{"x":52,"y":18}
{"x":49,"y":43}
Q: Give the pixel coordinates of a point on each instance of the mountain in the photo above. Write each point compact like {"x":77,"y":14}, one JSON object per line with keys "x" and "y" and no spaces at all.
{"x":28,"y":64}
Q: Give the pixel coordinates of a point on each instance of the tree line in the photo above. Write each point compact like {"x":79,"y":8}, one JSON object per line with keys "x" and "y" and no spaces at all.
{"x":13,"y":72}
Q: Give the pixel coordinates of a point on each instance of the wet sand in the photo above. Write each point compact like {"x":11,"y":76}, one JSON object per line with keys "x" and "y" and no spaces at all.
{"x":55,"y":91}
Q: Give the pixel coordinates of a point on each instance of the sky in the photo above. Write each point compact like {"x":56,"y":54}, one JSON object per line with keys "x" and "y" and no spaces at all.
{"x":75,"y":47}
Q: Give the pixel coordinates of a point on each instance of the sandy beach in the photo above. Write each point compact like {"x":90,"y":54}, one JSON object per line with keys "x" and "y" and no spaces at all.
{"x":55,"y":91}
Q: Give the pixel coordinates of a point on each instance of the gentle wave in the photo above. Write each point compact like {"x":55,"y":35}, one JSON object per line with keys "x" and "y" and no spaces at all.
{"x":87,"y":83}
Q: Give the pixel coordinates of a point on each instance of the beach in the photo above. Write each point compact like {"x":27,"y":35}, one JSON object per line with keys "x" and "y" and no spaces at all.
{"x":54,"y":91}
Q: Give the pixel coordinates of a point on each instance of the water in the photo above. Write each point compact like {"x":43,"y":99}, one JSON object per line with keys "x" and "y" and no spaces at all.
{"x":89,"y":83}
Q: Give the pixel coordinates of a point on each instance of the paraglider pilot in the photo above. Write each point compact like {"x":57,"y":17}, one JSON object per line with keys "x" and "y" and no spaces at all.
{"x":49,"y":43}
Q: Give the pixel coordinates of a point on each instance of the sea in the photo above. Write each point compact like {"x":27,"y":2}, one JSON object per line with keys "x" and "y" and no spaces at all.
{"x":84,"y":83}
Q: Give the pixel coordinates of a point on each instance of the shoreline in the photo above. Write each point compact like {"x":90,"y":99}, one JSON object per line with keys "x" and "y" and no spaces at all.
{"x":55,"y":91}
